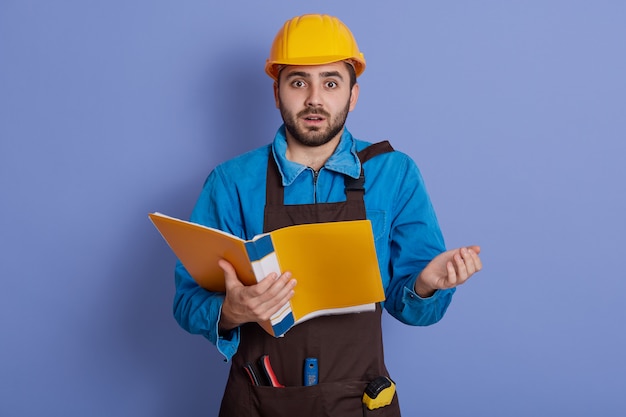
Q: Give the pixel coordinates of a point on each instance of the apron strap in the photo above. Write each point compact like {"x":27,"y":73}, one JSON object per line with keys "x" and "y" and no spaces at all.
{"x":374,"y":150}
{"x":274,"y":192}
{"x":355,"y":187}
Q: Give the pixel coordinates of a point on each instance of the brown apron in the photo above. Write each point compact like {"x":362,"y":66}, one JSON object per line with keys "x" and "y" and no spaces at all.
{"x":348,"y":347}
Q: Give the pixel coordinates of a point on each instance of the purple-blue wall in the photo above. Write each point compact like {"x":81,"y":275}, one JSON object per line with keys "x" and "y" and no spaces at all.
{"x":515,"y":112}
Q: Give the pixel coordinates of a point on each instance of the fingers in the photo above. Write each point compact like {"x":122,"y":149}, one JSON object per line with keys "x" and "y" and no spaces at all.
{"x":274,"y":290}
{"x":474,"y":248}
{"x":270,"y":286}
{"x":230,"y":275}
{"x":451,"y":279}
{"x":280,"y":294}
{"x":471,"y":259}
{"x":466,"y":263}
{"x":257,"y":302}
{"x":269,"y":296}
{"x":473,"y":252}
{"x":449,"y":269}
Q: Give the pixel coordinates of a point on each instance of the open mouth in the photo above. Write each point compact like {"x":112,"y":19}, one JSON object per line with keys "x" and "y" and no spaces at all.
{"x":313,"y":117}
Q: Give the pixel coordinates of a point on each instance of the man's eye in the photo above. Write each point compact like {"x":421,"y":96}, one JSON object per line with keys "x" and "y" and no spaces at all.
{"x":331,"y":84}
{"x":298,"y":84}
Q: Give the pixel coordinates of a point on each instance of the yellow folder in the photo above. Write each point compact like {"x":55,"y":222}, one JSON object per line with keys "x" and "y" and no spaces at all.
{"x":335,"y":263}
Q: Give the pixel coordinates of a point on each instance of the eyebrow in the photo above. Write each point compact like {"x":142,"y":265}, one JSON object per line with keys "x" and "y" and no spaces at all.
{"x":304,"y":74}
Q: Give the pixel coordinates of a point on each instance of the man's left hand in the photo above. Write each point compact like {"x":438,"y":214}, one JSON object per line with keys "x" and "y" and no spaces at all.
{"x":448,"y":270}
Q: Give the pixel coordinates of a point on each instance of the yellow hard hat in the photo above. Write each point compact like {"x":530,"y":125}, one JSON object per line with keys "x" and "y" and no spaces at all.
{"x":313,"y":39}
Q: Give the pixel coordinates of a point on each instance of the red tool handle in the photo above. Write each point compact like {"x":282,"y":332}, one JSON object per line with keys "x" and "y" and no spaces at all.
{"x":264,"y":363}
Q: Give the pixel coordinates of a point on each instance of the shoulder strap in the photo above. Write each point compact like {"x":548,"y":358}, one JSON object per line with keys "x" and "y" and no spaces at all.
{"x":355,"y":187}
{"x":374,"y":149}
{"x":274,"y":192}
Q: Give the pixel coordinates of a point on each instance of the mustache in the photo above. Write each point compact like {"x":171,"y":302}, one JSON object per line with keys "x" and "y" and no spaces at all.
{"x":310,"y":112}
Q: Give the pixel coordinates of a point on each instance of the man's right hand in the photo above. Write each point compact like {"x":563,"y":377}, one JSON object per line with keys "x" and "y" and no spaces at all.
{"x":253,"y":303}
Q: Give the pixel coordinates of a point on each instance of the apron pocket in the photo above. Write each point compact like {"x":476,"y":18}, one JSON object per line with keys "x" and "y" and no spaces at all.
{"x":326,"y":399}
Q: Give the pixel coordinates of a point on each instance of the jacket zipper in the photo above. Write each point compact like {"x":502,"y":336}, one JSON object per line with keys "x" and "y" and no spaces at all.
{"x":315,"y":175}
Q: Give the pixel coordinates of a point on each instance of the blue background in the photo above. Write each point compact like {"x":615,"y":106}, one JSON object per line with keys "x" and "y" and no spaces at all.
{"x":514,"y":110}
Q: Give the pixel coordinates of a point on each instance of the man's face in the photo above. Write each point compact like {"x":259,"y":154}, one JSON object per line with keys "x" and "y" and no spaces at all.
{"x":314,"y":101}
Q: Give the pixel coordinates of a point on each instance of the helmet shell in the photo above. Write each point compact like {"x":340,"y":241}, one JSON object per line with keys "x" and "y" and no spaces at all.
{"x":313,"y":39}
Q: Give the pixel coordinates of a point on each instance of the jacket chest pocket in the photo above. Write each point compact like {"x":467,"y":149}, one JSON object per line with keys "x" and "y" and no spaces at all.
{"x":379,"y":224}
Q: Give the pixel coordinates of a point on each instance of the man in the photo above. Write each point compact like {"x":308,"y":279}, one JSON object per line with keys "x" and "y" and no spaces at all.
{"x":310,"y":174}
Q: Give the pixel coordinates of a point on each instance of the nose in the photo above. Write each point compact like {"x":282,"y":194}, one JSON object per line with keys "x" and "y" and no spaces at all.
{"x":314,"y":99}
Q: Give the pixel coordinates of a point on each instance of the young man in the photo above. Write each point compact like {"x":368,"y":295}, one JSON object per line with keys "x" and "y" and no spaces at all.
{"x":309,"y":174}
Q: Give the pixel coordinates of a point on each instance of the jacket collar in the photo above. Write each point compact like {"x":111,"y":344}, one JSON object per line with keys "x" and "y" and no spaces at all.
{"x":344,"y":160}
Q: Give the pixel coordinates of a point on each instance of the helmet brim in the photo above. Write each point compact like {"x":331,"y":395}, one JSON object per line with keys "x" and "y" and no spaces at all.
{"x":272,"y":68}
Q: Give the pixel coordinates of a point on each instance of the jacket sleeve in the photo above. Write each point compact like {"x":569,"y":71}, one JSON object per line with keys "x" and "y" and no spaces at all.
{"x":414,"y":240}
{"x":197,"y":310}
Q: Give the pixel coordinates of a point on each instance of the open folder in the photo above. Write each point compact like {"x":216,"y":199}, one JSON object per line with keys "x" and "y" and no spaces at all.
{"x":335,"y":264}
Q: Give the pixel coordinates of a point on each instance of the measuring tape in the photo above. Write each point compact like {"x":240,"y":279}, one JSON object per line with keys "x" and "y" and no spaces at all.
{"x":379,"y":393}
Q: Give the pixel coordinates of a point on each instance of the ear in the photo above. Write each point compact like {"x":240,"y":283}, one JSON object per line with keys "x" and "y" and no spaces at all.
{"x":276,"y":98}
{"x":354,"y":96}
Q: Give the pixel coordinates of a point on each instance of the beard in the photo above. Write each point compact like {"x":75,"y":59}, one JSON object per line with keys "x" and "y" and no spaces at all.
{"x":314,"y":136}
